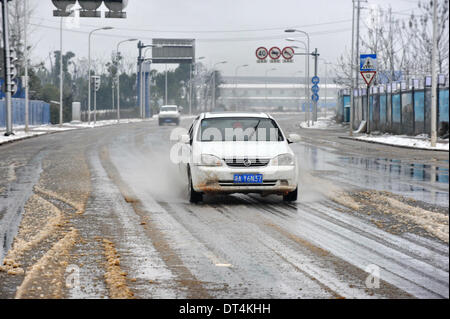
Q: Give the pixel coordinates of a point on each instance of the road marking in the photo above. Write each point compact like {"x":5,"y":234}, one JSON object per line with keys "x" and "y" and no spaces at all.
{"x":224,"y":265}
{"x":216,"y":261}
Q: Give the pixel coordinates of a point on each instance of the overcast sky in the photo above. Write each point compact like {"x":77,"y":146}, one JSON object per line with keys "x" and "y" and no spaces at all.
{"x":228,"y":30}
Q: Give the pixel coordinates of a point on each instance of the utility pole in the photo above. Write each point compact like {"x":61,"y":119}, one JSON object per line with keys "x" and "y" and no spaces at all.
{"x":352,"y":100}
{"x":434,"y":79}
{"x":358,"y":16}
{"x":140,"y":46}
{"x":213,"y":108}
{"x":166,"y":95}
{"x":25,"y":82}
{"x":190,"y":88}
{"x":61,"y":77}
{"x":7,"y":68}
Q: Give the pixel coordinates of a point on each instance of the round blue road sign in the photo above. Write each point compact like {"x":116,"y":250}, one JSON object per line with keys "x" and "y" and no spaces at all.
{"x":315,"y":97}
{"x":315,"y":80}
{"x":315,"y":89}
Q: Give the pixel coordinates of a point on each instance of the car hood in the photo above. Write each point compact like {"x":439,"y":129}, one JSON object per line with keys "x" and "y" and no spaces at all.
{"x":242,"y":149}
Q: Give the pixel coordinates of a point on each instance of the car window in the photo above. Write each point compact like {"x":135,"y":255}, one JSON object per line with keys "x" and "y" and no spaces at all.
{"x":169,"y":109}
{"x":230,"y":129}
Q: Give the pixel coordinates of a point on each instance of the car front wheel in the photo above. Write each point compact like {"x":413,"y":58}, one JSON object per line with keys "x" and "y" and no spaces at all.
{"x":291,"y":197}
{"x":194,"y":197}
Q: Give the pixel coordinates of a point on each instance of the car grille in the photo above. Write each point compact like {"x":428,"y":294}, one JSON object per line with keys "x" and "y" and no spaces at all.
{"x":247,"y":162}
{"x":231,"y":183}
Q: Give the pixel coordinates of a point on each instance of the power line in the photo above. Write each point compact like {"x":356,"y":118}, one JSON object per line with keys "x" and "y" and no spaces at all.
{"x":122,"y":36}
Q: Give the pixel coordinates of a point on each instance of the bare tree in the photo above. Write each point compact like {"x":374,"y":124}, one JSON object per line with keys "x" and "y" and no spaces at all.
{"x":420,"y":25}
{"x":16,"y":30}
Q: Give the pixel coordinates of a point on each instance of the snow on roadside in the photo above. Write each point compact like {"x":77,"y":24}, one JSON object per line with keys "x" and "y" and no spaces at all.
{"x":36,"y":130}
{"x":420,"y":141}
{"x":321,"y":123}
{"x":18,"y":136}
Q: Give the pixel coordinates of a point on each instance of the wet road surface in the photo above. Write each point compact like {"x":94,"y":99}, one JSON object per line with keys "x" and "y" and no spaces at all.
{"x":123,"y":227}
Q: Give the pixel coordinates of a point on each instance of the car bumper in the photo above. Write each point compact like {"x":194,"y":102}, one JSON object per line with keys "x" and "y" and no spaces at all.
{"x":276,"y":179}
{"x":169,"y":119}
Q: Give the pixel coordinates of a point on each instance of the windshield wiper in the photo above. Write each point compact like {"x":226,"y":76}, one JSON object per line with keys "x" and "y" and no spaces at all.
{"x":254,"y":130}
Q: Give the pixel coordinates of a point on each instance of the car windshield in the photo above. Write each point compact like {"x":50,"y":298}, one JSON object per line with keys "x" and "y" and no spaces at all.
{"x":168,"y":109}
{"x":229,"y":129}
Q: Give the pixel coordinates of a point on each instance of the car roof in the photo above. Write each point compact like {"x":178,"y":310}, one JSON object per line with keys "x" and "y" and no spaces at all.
{"x":235,"y":114}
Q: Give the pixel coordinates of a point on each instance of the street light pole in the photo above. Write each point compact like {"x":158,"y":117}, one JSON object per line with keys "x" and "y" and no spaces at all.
{"x":89,"y":69}
{"x":214,"y":85}
{"x":118,"y":76}
{"x":306,"y":74}
{"x":307,"y":69}
{"x":192,"y":69}
{"x":235,"y":79}
{"x":434,"y":79}
{"x":265,"y":80}
{"x":299,"y":98}
{"x":326,"y":85}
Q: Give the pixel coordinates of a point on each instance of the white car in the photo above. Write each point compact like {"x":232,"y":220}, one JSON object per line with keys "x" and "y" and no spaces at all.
{"x":169,"y":114}
{"x":239,"y":153}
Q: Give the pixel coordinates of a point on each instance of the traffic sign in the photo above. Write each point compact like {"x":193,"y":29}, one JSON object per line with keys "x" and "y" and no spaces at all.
{"x":275,"y":53}
{"x":368,"y":76}
{"x":315,"y":89}
{"x":315,"y":97}
{"x":368,"y":62}
{"x":262,"y":53}
{"x":315,"y":80}
{"x":288,"y":53}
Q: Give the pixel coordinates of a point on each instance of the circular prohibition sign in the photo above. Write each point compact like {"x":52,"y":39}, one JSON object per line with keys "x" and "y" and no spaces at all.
{"x":288,"y":53}
{"x":275,"y":53}
{"x":262,"y":53}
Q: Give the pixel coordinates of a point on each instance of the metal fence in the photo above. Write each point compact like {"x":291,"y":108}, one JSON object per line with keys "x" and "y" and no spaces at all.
{"x":396,"y":109}
{"x":38,"y":111}
{"x":125,"y":113}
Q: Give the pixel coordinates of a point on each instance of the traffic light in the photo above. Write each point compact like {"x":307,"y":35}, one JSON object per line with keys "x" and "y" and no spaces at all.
{"x":62,"y":7}
{"x":13,"y":71}
{"x":97,"y":82}
{"x":89,"y":8}
{"x":116,"y":8}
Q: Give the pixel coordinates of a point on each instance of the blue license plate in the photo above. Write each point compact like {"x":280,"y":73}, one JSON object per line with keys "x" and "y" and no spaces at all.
{"x":248,"y":179}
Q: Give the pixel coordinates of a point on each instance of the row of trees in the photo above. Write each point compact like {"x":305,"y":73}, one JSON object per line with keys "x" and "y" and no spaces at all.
{"x":45,"y":76}
{"x":403,"y":43}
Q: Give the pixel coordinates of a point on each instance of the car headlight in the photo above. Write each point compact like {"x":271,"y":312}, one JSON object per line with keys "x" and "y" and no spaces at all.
{"x":210,"y":160}
{"x":283,"y":160}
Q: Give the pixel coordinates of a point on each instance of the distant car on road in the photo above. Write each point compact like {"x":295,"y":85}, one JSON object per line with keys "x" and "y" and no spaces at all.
{"x":169,"y":114}
{"x":239,"y":153}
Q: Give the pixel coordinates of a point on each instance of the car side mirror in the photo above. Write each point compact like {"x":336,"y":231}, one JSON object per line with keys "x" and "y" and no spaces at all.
{"x":294,"y":138}
{"x":184,"y":139}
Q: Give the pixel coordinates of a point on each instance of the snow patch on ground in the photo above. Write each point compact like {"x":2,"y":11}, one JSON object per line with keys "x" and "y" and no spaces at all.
{"x":420,"y":141}
{"x":36,"y":130}
{"x":322,"y":123}
{"x":17,"y":136}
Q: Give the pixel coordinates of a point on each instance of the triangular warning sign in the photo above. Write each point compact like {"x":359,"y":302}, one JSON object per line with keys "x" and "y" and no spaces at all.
{"x":368,"y":76}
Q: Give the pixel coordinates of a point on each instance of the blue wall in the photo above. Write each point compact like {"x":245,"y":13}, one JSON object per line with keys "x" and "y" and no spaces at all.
{"x":403,"y":112}
{"x":39,"y":112}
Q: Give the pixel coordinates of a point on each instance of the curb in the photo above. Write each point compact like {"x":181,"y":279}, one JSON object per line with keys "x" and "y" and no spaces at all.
{"x":392,"y":145}
{"x":27,"y":138}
